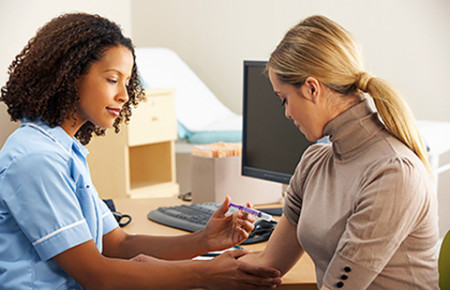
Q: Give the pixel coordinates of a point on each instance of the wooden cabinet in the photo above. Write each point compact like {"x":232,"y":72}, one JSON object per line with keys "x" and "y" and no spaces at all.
{"x":139,"y":161}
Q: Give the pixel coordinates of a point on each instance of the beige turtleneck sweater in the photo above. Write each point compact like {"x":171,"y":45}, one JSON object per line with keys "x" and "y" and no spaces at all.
{"x":365,"y":208}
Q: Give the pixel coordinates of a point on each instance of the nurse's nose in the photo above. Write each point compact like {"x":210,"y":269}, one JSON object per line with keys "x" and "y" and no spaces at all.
{"x":122,"y":95}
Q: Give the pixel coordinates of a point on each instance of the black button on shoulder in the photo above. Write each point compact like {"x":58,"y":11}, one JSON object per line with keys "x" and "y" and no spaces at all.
{"x":347,"y":269}
{"x":340,"y":284}
{"x":344,"y":277}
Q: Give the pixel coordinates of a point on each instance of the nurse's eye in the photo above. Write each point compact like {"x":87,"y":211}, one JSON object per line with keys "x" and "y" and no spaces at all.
{"x":113,"y":81}
{"x":283,"y":102}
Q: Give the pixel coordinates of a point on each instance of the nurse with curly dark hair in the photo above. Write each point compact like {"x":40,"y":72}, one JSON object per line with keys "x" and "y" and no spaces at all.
{"x":76,"y":78}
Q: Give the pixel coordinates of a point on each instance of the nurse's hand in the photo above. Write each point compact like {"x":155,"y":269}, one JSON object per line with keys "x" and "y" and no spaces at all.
{"x":224,"y":231}
{"x":226,"y":272}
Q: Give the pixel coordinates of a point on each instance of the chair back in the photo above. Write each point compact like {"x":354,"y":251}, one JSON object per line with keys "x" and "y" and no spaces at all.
{"x":444,"y":263}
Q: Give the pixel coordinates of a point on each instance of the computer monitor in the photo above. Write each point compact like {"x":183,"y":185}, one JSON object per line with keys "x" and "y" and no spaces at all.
{"x":271,"y":144}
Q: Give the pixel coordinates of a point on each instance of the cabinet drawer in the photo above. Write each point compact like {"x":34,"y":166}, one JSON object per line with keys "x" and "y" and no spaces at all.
{"x":153,"y":121}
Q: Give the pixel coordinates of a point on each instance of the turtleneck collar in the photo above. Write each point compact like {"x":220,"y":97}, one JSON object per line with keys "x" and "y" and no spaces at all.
{"x":353,"y":128}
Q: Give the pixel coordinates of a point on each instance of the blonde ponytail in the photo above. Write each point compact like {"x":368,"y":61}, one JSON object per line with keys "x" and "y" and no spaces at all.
{"x":395,"y":113}
{"x":321,"y":48}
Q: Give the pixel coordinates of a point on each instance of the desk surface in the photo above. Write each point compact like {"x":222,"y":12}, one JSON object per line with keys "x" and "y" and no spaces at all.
{"x":301,"y":276}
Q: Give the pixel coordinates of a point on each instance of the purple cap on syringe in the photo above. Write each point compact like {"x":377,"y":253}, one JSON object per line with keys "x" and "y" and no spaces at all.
{"x":259,"y":214}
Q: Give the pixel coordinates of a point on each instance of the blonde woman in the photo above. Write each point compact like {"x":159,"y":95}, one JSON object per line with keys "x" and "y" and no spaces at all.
{"x":363,"y":207}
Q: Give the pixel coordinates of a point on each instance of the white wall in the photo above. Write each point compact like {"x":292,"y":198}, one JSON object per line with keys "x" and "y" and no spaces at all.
{"x":407,"y":42}
{"x":20,"y":19}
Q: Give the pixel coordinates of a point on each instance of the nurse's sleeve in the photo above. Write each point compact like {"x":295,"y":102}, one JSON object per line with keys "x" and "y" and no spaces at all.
{"x":109,"y":221}
{"x":43,"y":203}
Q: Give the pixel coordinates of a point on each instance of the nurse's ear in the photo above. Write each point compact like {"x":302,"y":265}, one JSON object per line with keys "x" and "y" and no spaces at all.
{"x":311,"y":89}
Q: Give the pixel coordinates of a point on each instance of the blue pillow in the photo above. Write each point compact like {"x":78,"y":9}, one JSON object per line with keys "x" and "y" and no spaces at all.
{"x":208,"y":137}
{"x":183,"y":132}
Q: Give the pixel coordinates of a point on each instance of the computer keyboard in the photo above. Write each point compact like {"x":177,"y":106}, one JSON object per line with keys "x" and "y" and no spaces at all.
{"x":193,"y":217}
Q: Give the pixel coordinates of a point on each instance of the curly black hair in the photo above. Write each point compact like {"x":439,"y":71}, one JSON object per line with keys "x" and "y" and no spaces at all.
{"x":43,"y":77}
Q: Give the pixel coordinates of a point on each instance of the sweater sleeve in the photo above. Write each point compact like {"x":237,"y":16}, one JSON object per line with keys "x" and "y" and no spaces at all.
{"x":393,"y":200}
{"x":294,"y":192}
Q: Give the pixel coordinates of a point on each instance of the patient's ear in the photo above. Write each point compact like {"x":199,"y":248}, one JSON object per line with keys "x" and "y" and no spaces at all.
{"x":311,"y":89}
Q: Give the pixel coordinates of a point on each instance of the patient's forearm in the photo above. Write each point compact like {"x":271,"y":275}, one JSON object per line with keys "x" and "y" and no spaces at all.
{"x":259,"y":258}
{"x":282,"y":250}
{"x":283,"y":263}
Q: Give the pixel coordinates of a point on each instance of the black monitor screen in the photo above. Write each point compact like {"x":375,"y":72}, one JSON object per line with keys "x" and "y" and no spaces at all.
{"x":272,"y":145}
